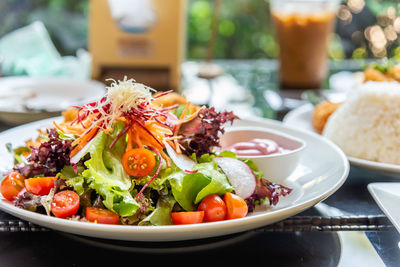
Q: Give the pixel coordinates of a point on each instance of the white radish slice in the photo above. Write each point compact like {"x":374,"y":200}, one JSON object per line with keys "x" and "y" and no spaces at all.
{"x":239,"y":175}
{"x":182,"y":161}
{"x":77,"y":157}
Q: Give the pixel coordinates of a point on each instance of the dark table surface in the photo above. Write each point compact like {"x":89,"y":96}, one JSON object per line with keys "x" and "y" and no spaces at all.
{"x":52,"y":248}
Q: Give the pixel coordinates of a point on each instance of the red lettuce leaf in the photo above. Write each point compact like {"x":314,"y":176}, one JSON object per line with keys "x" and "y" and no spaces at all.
{"x":201,"y":134}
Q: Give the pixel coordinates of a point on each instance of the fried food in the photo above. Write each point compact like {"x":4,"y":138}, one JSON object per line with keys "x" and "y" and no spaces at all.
{"x":382,"y":75}
{"x":169,"y":100}
{"x":70,"y":114}
{"x":321,"y":114}
{"x":172,"y":99}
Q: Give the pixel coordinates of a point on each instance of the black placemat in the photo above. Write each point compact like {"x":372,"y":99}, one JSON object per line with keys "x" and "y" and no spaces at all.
{"x":293,"y":224}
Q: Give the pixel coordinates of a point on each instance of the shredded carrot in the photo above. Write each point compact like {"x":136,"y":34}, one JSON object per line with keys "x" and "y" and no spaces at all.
{"x":122,"y":119}
{"x":84,"y":140}
{"x":177,"y":148}
{"x":173,"y":138}
{"x":167,"y":159}
{"x":181,"y":146}
{"x":191,"y":116}
{"x":171,"y":144}
{"x":137,"y":140}
{"x":108,"y":130}
{"x":178,"y":126}
{"x":70,"y":131}
{"x":146,"y":138}
{"x":75,"y":142}
{"x":185,"y":110}
{"x":58,"y":127}
{"x":129,"y":141}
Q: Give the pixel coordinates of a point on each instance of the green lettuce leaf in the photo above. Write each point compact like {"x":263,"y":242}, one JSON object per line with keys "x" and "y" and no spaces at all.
{"x":227,"y":154}
{"x":219,"y":183}
{"x":106,"y":175}
{"x":75,"y":180}
{"x":161,"y":214}
{"x":186,"y":186}
{"x":190,"y":188}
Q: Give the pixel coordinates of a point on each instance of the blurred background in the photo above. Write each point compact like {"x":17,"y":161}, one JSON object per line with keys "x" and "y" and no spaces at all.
{"x":365,"y":28}
{"x":79,"y":39}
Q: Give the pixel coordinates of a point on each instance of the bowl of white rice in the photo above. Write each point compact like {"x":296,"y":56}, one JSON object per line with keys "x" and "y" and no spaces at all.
{"x":367,"y":125}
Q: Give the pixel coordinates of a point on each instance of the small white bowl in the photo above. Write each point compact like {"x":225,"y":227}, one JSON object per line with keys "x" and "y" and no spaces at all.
{"x":276,"y":167}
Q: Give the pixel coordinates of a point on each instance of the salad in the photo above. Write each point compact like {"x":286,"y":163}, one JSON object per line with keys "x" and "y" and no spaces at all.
{"x":137,"y":157}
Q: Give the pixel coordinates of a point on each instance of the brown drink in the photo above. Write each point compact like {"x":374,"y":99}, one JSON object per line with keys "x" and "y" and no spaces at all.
{"x":303,"y":37}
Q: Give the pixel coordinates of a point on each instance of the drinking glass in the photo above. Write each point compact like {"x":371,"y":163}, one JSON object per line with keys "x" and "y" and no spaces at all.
{"x":303,"y":31}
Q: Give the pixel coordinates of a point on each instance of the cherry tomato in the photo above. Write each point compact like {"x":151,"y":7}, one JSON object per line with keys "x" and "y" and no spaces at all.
{"x":65,"y":203}
{"x":236,"y":207}
{"x":138,"y":162}
{"x":40,"y":186}
{"x":11,"y":185}
{"x":214,"y":208}
{"x":187,"y":217}
{"x":101,"y":216}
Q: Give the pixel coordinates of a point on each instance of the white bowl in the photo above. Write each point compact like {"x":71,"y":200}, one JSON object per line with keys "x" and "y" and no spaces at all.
{"x":276,"y":167}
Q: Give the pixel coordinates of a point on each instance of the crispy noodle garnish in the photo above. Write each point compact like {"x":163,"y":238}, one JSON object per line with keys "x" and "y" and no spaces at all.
{"x":121,"y":97}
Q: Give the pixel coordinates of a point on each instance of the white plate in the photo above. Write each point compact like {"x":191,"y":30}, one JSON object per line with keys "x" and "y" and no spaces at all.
{"x":25,"y":99}
{"x":387,"y":196}
{"x":323,"y":168}
{"x":300,"y":118}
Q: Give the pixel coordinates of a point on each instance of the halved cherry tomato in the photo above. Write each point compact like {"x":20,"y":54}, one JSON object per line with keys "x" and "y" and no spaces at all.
{"x":236,"y":207}
{"x":40,"y":186}
{"x":214,"y":208}
{"x":101,"y":216}
{"x":11,"y":185}
{"x":138,"y":162}
{"x":187,"y":217}
{"x":65,"y":203}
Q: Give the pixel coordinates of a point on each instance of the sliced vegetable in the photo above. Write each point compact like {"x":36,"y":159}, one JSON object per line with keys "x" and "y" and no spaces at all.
{"x":236,"y":207}
{"x":239,"y":175}
{"x":11,"y":185}
{"x":187,"y":217}
{"x":65,"y":204}
{"x":83,"y":140}
{"x":101,"y":216}
{"x":40,"y":186}
{"x":77,"y":157}
{"x":219,"y":183}
{"x":138,"y":162}
{"x":182,"y":161}
{"x":214,"y":208}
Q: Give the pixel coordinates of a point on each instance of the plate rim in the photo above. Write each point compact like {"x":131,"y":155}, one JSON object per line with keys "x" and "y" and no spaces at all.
{"x":202,"y":230}
{"x":372,"y":187}
{"x":55,"y":79}
{"x":357,"y":162}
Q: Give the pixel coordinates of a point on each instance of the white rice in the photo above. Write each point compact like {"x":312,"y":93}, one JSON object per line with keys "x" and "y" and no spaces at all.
{"x":367,"y":124}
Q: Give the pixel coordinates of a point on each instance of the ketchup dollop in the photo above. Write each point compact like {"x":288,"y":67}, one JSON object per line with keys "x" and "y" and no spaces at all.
{"x":256,"y":147}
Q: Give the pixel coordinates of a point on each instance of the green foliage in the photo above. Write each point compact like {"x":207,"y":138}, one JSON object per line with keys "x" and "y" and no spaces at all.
{"x":244,"y":29}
